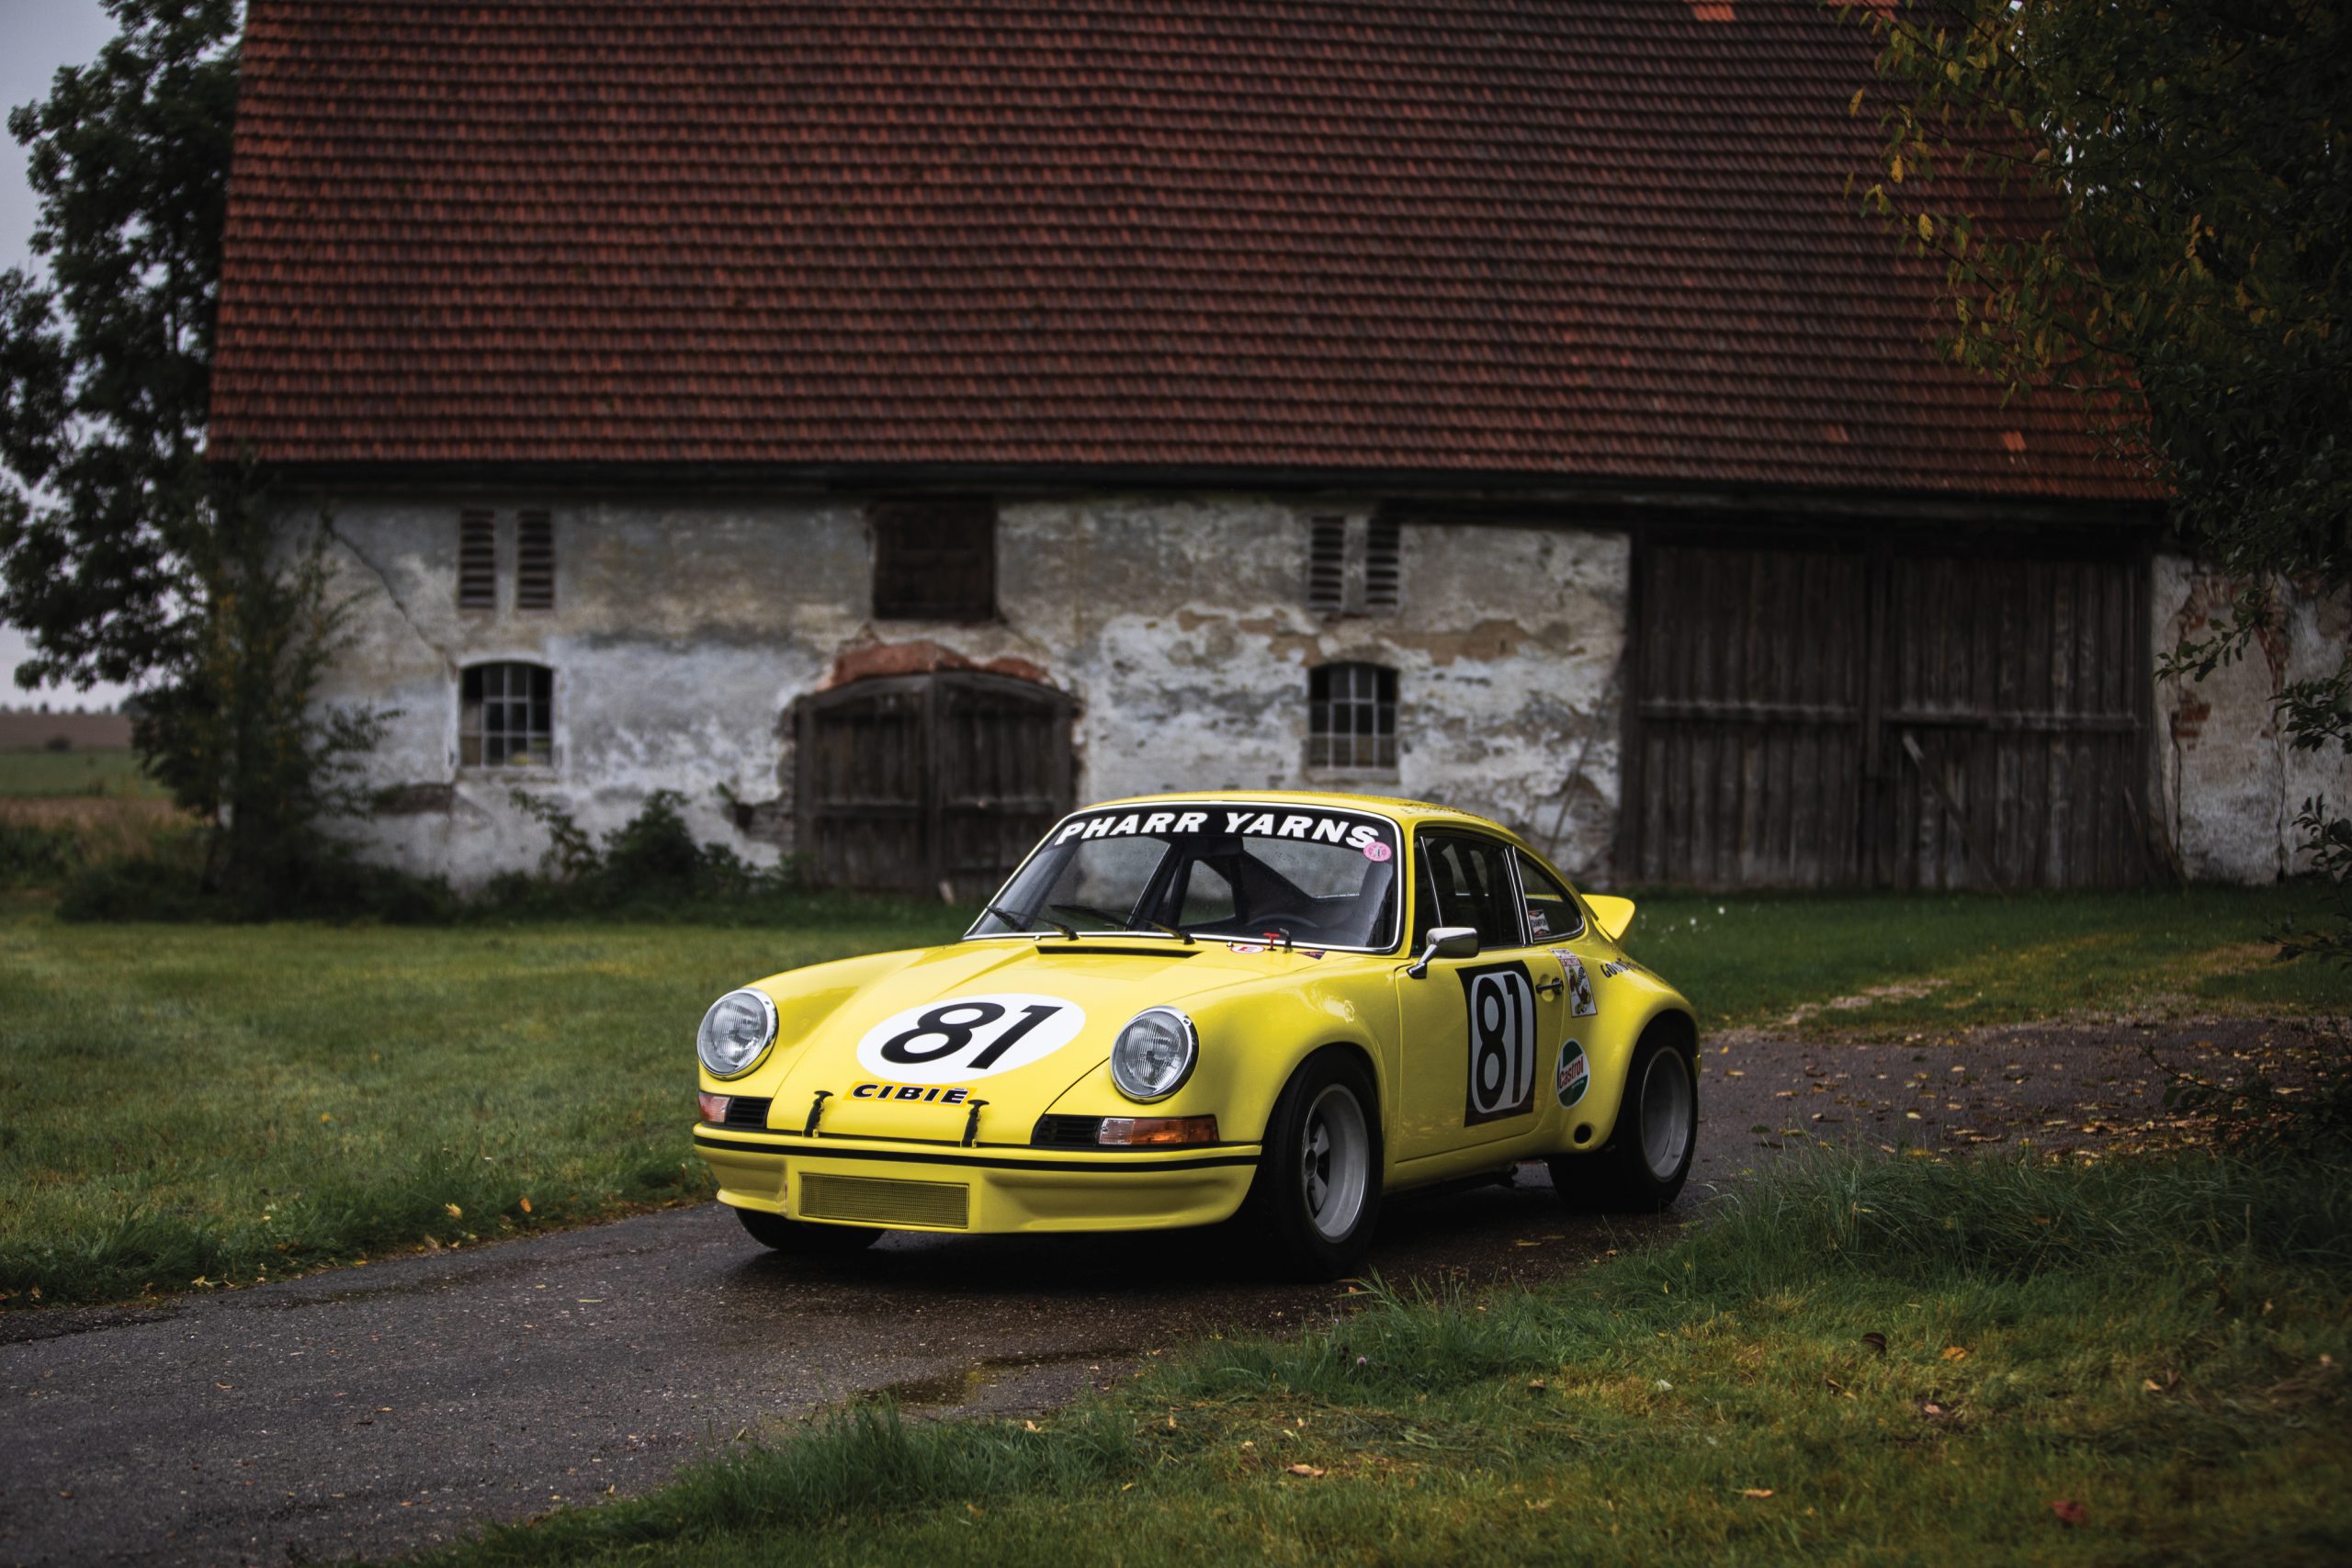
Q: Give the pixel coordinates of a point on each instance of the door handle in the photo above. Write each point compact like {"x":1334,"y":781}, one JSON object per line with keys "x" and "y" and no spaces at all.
{"x":1550,"y":990}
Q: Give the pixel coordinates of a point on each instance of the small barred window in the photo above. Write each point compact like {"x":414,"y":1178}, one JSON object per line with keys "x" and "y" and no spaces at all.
{"x":506,"y":717}
{"x":1352,"y":717}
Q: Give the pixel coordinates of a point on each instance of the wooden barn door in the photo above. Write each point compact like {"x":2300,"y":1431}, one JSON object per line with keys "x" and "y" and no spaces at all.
{"x":2013,"y":751}
{"x":1747,"y":758}
{"x":924,"y":783}
{"x":1811,"y":713}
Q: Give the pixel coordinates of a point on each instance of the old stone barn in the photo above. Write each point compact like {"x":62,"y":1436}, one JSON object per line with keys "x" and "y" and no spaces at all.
{"x":888,"y":424}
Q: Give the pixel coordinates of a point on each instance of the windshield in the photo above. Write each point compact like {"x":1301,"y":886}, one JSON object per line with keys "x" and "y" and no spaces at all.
{"x":1306,"y":877}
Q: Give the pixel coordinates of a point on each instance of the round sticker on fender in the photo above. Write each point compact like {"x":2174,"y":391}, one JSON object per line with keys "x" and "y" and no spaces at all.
{"x":1569,"y":1079}
{"x":968,"y":1037}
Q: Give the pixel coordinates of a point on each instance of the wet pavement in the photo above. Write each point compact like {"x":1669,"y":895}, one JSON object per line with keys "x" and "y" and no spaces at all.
{"x":377,"y":1410}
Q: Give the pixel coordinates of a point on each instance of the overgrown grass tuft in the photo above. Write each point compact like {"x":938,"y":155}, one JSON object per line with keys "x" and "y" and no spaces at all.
{"x":2162,"y":1344}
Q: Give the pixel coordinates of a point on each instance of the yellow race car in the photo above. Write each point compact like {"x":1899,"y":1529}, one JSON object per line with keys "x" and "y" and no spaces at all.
{"x":1185,"y":1008}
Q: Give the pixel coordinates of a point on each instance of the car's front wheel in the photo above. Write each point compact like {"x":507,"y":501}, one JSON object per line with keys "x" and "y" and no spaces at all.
{"x":1316,"y":1196}
{"x":1643,"y":1167}
{"x":806,"y":1240}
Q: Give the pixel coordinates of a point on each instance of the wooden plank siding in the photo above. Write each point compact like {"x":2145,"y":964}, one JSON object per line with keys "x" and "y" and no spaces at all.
{"x":923,"y":783}
{"x":1847,"y":711}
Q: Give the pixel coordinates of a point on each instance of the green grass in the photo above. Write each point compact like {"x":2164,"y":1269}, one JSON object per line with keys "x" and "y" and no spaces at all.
{"x":2163,"y":1344}
{"x":219,"y":1103}
{"x":114,"y":776}
{"x":1754,"y":961}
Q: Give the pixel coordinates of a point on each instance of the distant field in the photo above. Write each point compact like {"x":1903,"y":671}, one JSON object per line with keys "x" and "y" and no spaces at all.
{"x":22,"y":731}
{"x":111,"y":774}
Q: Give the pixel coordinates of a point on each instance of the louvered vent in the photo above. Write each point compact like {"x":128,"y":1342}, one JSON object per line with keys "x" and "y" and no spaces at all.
{"x":1352,"y":566}
{"x":1381,"y":573}
{"x":476,"y":561}
{"x":534,"y":561}
{"x":1326,"y":565}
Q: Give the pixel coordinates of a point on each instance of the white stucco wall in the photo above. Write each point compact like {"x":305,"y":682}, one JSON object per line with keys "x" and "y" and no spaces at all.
{"x":2230,"y":786}
{"x":684,"y":632}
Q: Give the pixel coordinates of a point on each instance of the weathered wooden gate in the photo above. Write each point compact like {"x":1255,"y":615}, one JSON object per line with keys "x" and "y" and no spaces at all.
{"x":1834,"y":712}
{"x":919,"y":783}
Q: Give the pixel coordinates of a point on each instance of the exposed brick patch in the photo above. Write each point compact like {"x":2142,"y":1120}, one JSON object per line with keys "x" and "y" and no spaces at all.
{"x":921,"y":657}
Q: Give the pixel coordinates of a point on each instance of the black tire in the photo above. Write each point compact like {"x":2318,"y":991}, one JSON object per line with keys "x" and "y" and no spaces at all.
{"x":1643,"y":1167}
{"x":1316,"y":1199}
{"x":796,"y":1239}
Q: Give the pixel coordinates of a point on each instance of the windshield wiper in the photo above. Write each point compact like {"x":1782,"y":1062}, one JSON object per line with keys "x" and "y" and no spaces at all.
{"x":1130,"y":929}
{"x":1023,"y":922}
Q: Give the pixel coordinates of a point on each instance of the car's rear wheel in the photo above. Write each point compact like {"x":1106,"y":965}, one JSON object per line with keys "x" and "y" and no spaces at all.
{"x":1316,"y":1196}
{"x":1642,"y":1169}
{"x":805,"y":1240}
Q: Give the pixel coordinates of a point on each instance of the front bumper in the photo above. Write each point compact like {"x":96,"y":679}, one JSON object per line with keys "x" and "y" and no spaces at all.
{"x":991,"y":1188}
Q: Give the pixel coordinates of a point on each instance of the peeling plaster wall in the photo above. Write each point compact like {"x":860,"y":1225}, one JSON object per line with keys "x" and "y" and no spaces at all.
{"x":2229,"y":785}
{"x":684,"y":632}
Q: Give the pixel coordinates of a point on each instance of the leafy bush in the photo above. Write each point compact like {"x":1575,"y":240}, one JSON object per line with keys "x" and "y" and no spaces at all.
{"x":649,"y":864}
{"x":36,"y":857}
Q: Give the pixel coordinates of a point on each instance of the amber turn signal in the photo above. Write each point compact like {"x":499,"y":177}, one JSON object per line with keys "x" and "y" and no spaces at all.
{"x":1132,"y":1131}
{"x":713,"y":1106}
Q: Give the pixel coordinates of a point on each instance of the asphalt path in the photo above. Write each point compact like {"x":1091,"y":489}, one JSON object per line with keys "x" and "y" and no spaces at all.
{"x":380,"y":1410}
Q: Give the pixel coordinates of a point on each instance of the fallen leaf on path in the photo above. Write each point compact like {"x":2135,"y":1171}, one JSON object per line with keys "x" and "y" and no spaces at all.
{"x":1310,"y":1471}
{"x":1755,"y":1490}
{"x":1954,"y":1353}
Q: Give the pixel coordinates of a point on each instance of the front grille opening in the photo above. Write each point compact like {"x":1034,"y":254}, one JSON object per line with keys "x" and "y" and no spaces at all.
{"x":1068,"y":1132}
{"x":873,"y":1201}
{"x":745,"y":1110}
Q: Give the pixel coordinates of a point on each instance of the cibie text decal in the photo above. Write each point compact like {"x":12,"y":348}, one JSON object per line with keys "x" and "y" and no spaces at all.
{"x":1502,"y":1042}
{"x":1307,"y":826}
{"x":935,"y":1095}
{"x":964,"y":1038}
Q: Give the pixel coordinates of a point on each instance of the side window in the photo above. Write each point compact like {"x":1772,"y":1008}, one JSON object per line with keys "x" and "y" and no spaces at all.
{"x":1467,"y":881}
{"x":506,"y":716}
{"x":1551,"y":914}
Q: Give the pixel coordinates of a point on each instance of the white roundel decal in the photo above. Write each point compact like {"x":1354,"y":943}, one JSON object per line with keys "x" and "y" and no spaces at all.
{"x":968,"y":1037}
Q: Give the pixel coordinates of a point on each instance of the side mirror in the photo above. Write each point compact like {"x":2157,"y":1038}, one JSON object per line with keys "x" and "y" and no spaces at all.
{"x":1445,"y":941}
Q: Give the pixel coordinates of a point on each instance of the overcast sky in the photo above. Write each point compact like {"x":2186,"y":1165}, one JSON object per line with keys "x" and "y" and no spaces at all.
{"x":40,"y":35}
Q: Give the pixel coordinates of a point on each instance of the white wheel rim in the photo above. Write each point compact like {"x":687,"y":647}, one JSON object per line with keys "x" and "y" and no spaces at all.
{"x":1335,"y":1162}
{"x":1666,"y":1114}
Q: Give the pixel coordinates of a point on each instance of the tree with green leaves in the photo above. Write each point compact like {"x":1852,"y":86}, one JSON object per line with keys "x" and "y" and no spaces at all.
{"x":2181,"y":266}
{"x":129,"y":553}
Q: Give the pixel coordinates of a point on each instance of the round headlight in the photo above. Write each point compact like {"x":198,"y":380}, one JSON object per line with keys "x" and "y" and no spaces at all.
{"x":1154,"y":1054}
{"x":736,"y":1033}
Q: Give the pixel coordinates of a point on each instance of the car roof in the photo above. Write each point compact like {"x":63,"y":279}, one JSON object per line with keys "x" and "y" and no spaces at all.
{"x":1406,"y":813}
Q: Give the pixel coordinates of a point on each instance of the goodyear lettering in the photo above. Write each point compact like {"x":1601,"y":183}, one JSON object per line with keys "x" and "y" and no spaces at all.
{"x":927,"y":1094}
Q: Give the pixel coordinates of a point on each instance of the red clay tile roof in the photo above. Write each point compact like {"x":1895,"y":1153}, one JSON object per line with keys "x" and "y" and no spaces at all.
{"x":1592,"y":238}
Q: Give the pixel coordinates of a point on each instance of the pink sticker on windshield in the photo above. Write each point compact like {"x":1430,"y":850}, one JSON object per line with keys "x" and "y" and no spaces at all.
{"x":1376,"y":851}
